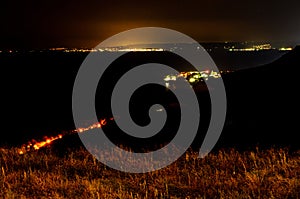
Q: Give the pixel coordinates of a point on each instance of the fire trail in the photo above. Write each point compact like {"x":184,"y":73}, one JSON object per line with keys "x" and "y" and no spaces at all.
{"x":35,"y":145}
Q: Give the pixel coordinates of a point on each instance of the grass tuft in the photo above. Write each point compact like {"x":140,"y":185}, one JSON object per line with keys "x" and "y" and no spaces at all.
{"x":268,"y":173}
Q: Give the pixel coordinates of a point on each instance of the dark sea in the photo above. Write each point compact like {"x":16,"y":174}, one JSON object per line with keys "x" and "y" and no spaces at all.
{"x":246,"y":59}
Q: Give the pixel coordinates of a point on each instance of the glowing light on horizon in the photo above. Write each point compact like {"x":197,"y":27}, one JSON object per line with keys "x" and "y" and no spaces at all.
{"x":285,"y":49}
{"x":140,"y":49}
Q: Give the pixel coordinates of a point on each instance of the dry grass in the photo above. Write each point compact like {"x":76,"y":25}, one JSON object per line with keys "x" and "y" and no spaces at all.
{"x":272,"y":173}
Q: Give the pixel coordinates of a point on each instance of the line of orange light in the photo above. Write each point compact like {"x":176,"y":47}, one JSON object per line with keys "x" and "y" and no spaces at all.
{"x":36,"y":146}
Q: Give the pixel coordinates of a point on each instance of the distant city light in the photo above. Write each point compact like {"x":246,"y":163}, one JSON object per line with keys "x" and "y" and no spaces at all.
{"x":231,"y":47}
{"x":140,"y":49}
{"x":285,"y":48}
{"x":253,"y":48}
{"x":193,"y":76}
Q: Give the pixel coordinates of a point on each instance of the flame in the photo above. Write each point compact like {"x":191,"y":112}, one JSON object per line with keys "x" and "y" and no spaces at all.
{"x":48,"y":140}
{"x":38,"y":145}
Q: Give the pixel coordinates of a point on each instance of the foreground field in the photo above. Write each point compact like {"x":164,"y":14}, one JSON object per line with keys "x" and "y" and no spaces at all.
{"x":271,"y":173}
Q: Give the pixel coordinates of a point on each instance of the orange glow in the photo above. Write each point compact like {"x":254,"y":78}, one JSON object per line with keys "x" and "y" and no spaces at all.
{"x":80,"y":130}
{"x":37,"y":145}
{"x":103,"y":122}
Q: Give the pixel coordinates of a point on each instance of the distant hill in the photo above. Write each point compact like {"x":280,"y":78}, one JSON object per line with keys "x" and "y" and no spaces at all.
{"x":262,"y":101}
{"x":262,"y":108}
{"x":263,"y":104}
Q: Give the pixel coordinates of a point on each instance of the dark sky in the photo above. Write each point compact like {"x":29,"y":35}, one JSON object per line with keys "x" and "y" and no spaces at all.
{"x":84,"y":23}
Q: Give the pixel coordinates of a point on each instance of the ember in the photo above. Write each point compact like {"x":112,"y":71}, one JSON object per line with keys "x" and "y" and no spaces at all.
{"x":34,"y":145}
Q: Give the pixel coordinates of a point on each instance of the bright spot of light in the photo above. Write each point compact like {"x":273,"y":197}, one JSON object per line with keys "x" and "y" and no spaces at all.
{"x":192,"y":80}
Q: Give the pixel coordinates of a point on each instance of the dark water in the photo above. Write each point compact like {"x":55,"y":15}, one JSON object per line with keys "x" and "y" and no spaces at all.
{"x":243,"y":60}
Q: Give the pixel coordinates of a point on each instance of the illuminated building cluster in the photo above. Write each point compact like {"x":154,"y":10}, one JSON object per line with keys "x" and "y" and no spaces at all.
{"x":285,"y":48}
{"x":253,"y":48}
{"x":193,"y":76}
{"x":259,"y":48}
{"x":262,"y":47}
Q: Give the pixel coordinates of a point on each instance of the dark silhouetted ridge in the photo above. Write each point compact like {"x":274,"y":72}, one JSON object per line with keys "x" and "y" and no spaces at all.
{"x":263,"y":103}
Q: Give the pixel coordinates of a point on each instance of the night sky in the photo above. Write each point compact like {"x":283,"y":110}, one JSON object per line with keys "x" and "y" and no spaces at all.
{"x":42,"y":24}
